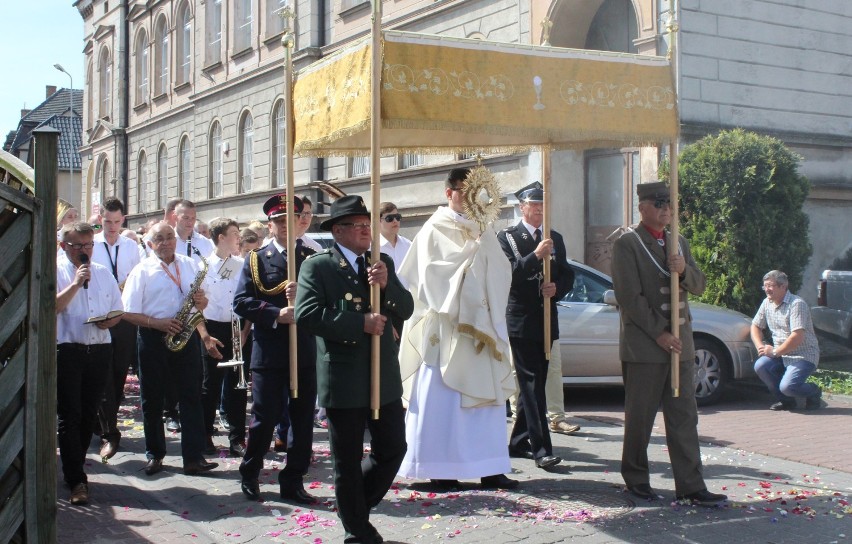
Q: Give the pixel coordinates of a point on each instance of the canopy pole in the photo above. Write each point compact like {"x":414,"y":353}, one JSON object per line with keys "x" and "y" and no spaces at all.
{"x":288,"y":42}
{"x":673,"y":244}
{"x":545,"y":228}
{"x":375,"y":194}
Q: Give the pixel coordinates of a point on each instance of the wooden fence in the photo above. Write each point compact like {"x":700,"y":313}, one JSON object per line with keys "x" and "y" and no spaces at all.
{"x":28,"y":344}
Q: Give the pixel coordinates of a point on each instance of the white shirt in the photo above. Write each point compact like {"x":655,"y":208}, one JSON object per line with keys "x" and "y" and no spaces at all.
{"x":220,"y":291}
{"x":307,"y":241}
{"x":150,"y":291}
{"x":205,"y":246}
{"x":351,"y":256}
{"x":124,"y":255}
{"x":397,"y":253}
{"x":100,"y":298}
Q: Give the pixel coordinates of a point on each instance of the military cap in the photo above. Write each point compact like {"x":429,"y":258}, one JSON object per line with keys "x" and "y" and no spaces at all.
{"x":276,"y":205}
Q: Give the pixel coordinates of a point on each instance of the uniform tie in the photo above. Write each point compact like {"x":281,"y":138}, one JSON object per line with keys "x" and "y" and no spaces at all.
{"x":537,"y":236}
{"x":362,"y":269}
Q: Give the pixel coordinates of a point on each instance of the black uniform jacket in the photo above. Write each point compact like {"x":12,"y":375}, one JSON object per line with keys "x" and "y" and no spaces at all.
{"x":525,"y":311}
{"x":272,"y":339}
{"x":330,"y":303}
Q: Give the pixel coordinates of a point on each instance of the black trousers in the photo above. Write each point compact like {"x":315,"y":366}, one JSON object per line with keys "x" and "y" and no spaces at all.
{"x":361,"y":482}
{"x":160,"y":368}
{"x":530,"y":432}
{"x":270,"y":393}
{"x":81,"y":373}
{"x":123,"y":357}
{"x":211,"y":388}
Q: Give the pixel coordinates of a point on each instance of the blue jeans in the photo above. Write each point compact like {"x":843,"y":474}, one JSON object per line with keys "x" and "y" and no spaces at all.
{"x":786,"y":383}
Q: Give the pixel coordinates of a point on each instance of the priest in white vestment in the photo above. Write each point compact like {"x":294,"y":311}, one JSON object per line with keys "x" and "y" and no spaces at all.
{"x":454,"y":352}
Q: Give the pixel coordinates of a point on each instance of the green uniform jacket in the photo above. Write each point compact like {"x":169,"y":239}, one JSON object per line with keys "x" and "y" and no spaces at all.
{"x":331,"y":303}
{"x":644,"y":299}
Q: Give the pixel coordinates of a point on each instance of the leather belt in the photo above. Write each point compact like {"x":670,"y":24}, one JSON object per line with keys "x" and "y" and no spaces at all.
{"x":83,"y":348}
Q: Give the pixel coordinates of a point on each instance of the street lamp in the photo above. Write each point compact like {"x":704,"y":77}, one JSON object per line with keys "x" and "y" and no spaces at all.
{"x":71,"y":113}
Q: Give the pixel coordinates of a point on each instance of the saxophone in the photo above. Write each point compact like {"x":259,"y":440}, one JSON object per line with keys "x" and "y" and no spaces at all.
{"x":185,"y":315}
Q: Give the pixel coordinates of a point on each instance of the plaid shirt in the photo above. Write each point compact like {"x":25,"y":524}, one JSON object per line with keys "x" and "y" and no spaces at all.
{"x":791,"y":315}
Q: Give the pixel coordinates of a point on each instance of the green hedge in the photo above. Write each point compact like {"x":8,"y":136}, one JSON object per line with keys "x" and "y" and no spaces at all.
{"x":741,"y":200}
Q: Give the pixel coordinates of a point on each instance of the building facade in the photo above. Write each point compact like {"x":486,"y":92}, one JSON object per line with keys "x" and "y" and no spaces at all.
{"x":184,"y":98}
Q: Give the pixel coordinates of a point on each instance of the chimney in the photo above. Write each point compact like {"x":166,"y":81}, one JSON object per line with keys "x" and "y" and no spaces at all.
{"x":25,"y":112}
{"x":49,"y":91}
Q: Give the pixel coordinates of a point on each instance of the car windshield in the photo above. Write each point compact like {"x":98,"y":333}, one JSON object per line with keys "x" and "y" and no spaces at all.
{"x":588,"y":287}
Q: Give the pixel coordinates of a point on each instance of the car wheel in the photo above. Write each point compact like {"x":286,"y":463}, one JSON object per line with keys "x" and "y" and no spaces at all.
{"x":711,"y":371}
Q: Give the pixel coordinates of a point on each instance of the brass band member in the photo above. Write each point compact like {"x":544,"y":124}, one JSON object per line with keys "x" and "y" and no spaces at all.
{"x":83,"y":291}
{"x":119,"y":255}
{"x":218,"y":343}
{"x":154,"y":293}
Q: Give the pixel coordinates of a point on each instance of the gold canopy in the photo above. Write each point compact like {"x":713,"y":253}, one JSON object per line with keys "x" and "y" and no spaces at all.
{"x":443,"y":95}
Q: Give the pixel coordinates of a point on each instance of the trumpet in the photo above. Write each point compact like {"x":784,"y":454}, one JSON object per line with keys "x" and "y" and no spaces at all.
{"x":236,"y":361}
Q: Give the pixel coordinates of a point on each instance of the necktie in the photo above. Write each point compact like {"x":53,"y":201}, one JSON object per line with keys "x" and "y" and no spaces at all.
{"x":362,"y":269}
{"x":537,"y":236}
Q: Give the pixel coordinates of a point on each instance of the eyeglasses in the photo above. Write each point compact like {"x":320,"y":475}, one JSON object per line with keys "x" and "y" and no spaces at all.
{"x":355,"y":225}
{"x":660,"y":202}
{"x":78,"y":247}
{"x":766,"y":286}
{"x":391,"y":217}
{"x":97,"y":227}
{"x":305,"y":214}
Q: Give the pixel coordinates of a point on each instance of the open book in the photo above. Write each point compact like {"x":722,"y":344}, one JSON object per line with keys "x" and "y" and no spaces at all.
{"x":110,"y":315}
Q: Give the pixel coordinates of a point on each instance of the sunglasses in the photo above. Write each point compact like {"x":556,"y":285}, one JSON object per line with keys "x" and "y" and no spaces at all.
{"x":391,"y":217}
{"x":660,"y":202}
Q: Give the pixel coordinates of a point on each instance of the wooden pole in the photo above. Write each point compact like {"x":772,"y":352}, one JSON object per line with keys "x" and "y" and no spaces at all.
{"x":674,"y":227}
{"x":288,"y":42}
{"x":40,"y":440}
{"x":545,"y":230}
{"x":375,"y":194}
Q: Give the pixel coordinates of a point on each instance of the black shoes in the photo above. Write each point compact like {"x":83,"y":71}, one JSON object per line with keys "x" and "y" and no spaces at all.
{"x":209,"y":446}
{"x":703,"y":498}
{"x":547,"y":461}
{"x":154,"y":466}
{"x":814,"y":403}
{"x":280,"y":445}
{"x":298,"y":494}
{"x":520,"y":454}
{"x":237,"y":449}
{"x":783,"y":405}
{"x":498,"y":481}
{"x":198,"y":467}
{"x":172,"y":425}
{"x":251,"y":489}
{"x":444,"y":485}
{"x":643,"y":491}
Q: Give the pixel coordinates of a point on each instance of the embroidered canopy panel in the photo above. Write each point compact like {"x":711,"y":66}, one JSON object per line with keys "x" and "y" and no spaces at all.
{"x":448,"y":94}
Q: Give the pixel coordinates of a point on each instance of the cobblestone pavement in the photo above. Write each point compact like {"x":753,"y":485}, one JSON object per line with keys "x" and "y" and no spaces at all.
{"x":775,"y":498}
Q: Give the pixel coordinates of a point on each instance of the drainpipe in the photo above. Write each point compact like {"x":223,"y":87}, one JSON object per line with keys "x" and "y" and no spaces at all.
{"x":120,"y":135}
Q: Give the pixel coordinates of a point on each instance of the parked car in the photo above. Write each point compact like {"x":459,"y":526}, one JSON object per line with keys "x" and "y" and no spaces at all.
{"x":833,"y":312}
{"x":589,"y":328}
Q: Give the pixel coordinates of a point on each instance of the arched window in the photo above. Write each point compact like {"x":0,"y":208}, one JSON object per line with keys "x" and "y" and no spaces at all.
{"x":278,"y":145}
{"x":184,"y":172}
{"x":245,"y":152}
{"x":105,"y":88}
{"x":141,"y":67}
{"x":142,"y":183}
{"x":184,"y":44}
{"x":162,"y":176}
{"x":90,"y":91}
{"x":161,"y":60}
{"x":215,"y":167}
{"x":242,"y":24}
{"x":103,"y":176}
{"x":213,"y":32}
{"x":274,"y":22}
